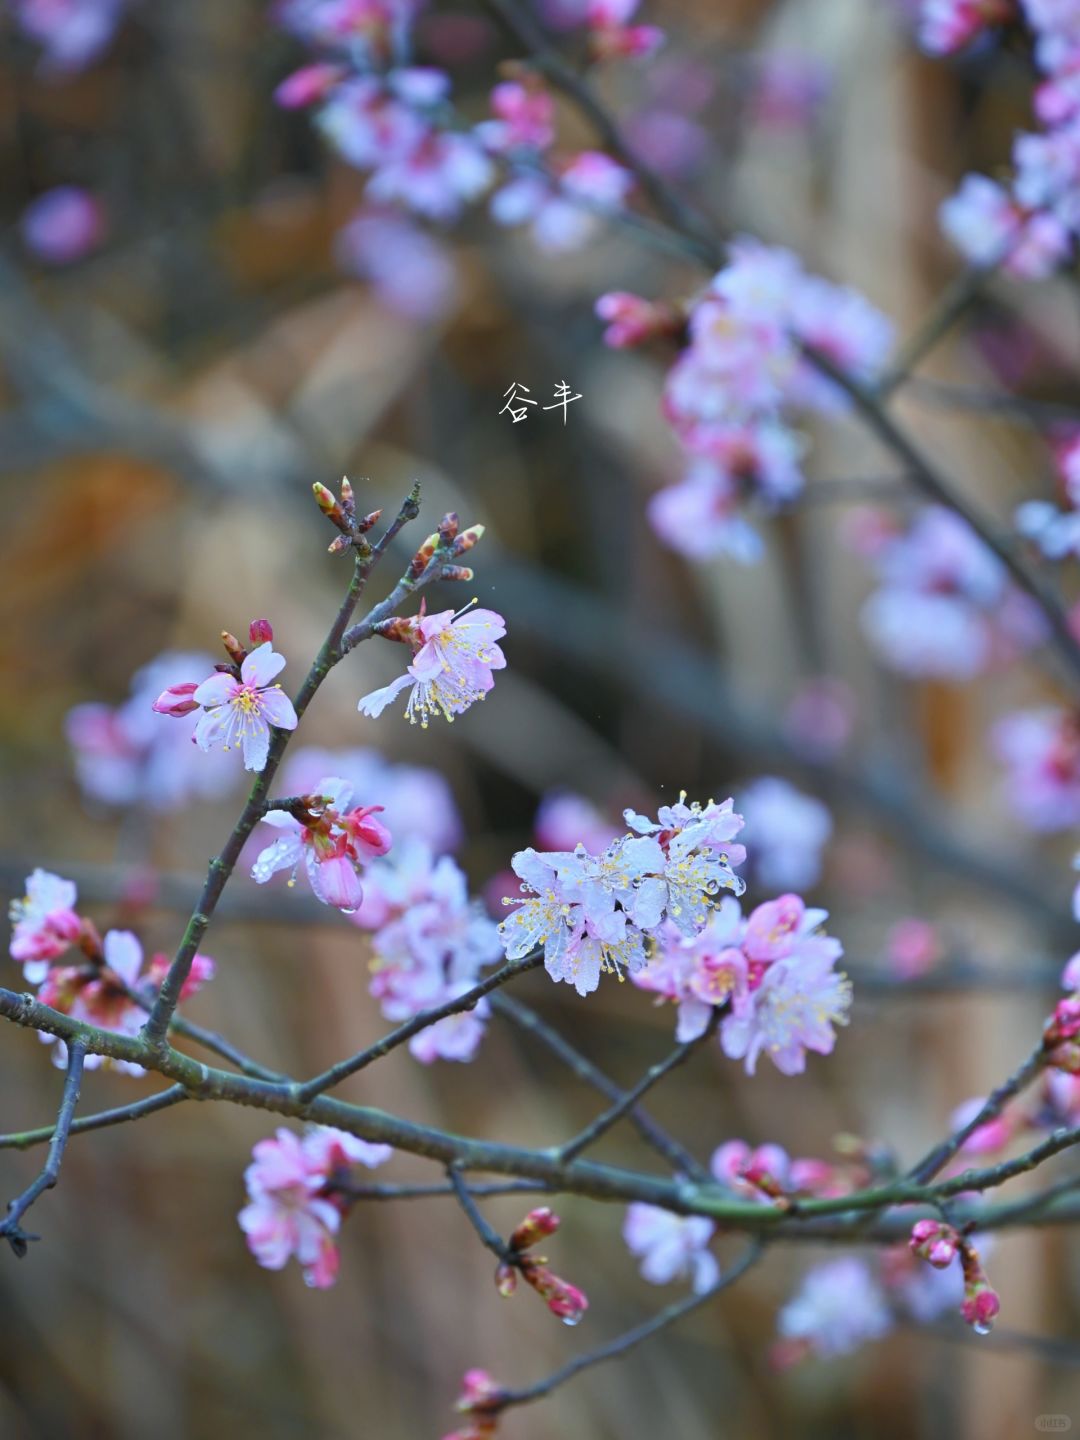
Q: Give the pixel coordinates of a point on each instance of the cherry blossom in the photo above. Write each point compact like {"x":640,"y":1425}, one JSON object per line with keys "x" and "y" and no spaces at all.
{"x":525,"y":118}
{"x":700,"y":973}
{"x":948,"y":25}
{"x":45,"y":922}
{"x":839,"y":1306}
{"x":565,"y":820}
{"x":430,"y":944}
{"x":72,"y":33}
{"x":125,"y":756}
{"x":417,"y":802}
{"x":332,"y":841}
{"x":454,"y":654}
{"x":945,"y":607}
{"x":671,"y":1247}
{"x":787,"y":832}
{"x":239,"y":709}
{"x":63,"y":225}
{"x":293,"y":1209}
{"x":610,"y":35}
{"x":1041,"y":753}
{"x":913,"y":947}
{"x":410,"y":272}
{"x":564,"y":212}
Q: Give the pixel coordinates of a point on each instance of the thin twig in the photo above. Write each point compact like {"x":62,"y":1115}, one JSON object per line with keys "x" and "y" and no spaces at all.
{"x":506,"y":1399}
{"x":677,"y":1156}
{"x":136,"y":1110}
{"x":655,"y":1073}
{"x":489,"y":1236}
{"x":10,"y":1228}
{"x":327,"y":1079}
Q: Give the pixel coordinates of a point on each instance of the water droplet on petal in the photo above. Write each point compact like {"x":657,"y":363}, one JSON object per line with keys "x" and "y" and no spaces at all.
{"x":572,"y":1320}
{"x":982,"y":1328}
{"x":348,"y":909}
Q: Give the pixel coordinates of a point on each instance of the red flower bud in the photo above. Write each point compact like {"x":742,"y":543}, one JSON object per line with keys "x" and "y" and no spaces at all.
{"x":934,"y":1242}
{"x":259,"y":632}
{"x":176,"y":700}
{"x":235,"y":651}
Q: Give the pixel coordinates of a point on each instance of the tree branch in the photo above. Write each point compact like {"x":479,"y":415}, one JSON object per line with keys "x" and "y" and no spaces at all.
{"x":10,"y":1227}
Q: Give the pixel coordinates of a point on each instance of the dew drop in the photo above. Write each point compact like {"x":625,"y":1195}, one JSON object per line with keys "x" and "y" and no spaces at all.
{"x":348,"y":909}
{"x":571,"y":1320}
{"x":982,"y":1328}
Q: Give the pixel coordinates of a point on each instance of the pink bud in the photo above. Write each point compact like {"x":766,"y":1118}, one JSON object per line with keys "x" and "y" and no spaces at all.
{"x":259,"y":632}
{"x":979,"y":1308}
{"x":562,"y":1299}
{"x":368,"y":837}
{"x":537,"y":1224}
{"x":307,"y":85}
{"x":505,"y":1280}
{"x":632,"y":319}
{"x":176,"y":700}
{"x":934,"y":1242}
{"x":1064,"y":1024}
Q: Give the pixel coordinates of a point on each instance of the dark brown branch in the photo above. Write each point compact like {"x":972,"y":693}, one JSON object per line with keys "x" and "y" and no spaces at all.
{"x":11,"y":1228}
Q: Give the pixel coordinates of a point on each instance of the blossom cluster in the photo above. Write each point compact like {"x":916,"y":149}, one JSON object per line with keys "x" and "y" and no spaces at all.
{"x":397,"y":123}
{"x":430,"y":942}
{"x":1040,"y":750}
{"x":1055,"y":528}
{"x":72,"y":34}
{"x":1029,"y":225}
{"x":297,"y":1195}
{"x":595,"y":913}
{"x":454,"y":654}
{"x":107,"y":985}
{"x":739,"y":383}
{"x":771,"y":975}
{"x":944,"y":608}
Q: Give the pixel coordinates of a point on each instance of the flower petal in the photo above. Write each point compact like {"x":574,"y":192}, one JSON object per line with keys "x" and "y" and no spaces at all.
{"x":262,"y":665}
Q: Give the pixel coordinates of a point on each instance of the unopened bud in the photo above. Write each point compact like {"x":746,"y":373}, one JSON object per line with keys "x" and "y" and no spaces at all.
{"x":259,"y":632}
{"x":235,"y":651}
{"x":934,"y":1242}
{"x":176,"y":700}
{"x":338,"y":544}
{"x":419,"y":562}
{"x":537,"y":1224}
{"x":327,"y":503}
{"x":398,"y":627}
{"x":448,"y":527}
{"x":457,"y":572}
{"x":562,"y":1299}
{"x":468,"y":538}
{"x":981,"y":1303}
{"x":346,"y":492}
{"x":505,"y":1279}
{"x":368,"y":522}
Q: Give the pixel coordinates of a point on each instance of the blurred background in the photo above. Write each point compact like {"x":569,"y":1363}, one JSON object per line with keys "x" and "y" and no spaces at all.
{"x":207,"y":346}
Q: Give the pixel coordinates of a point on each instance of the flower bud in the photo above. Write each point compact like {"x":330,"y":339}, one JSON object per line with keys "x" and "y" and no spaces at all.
{"x":631,"y":319}
{"x":307,"y":85}
{"x":935,"y":1242}
{"x":235,"y":651}
{"x":1064,"y":1024}
{"x":368,"y":522}
{"x":981,"y":1302}
{"x":259,"y":632}
{"x":468,"y":538}
{"x":537,"y":1223}
{"x":346,"y":493}
{"x":457,"y":572}
{"x":338,"y":544}
{"x":419,"y":562}
{"x":505,"y":1279}
{"x":328,"y":504}
{"x":448,"y":527}
{"x":562,"y":1299}
{"x":176,"y":700}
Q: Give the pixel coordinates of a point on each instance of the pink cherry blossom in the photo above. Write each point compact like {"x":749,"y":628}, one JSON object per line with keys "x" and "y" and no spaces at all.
{"x":454,"y":655}
{"x":72,"y":33}
{"x":45,"y":923}
{"x":913,"y":947}
{"x":565,"y":820}
{"x":700,"y":973}
{"x":238,"y":711}
{"x":671,"y":1247}
{"x":126,"y":755}
{"x":525,"y":118}
{"x":333,"y":843}
{"x":564,"y":215}
{"x":949,"y":25}
{"x":63,"y":225}
{"x":410,"y":272}
{"x":759,"y":1174}
{"x":1041,"y":753}
{"x":293,"y":1208}
{"x":786,"y":831}
{"x":435,"y":178}
{"x":630,"y":319}
{"x":988,"y":1139}
{"x":839,"y":1306}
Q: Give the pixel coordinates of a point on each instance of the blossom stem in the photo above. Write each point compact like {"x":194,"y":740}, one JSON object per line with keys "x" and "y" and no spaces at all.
{"x":136,"y":1110}
{"x":221,"y":868}
{"x":630,"y":1338}
{"x":404,"y":1032}
{"x":677,"y":1156}
{"x":10,"y":1227}
{"x":937,"y":1158}
{"x":489,"y":1236}
{"x":695,"y":230}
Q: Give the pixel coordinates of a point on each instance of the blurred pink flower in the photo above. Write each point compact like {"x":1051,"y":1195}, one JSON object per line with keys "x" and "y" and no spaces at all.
{"x":45,"y":923}
{"x":671,"y":1247}
{"x":63,"y":225}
